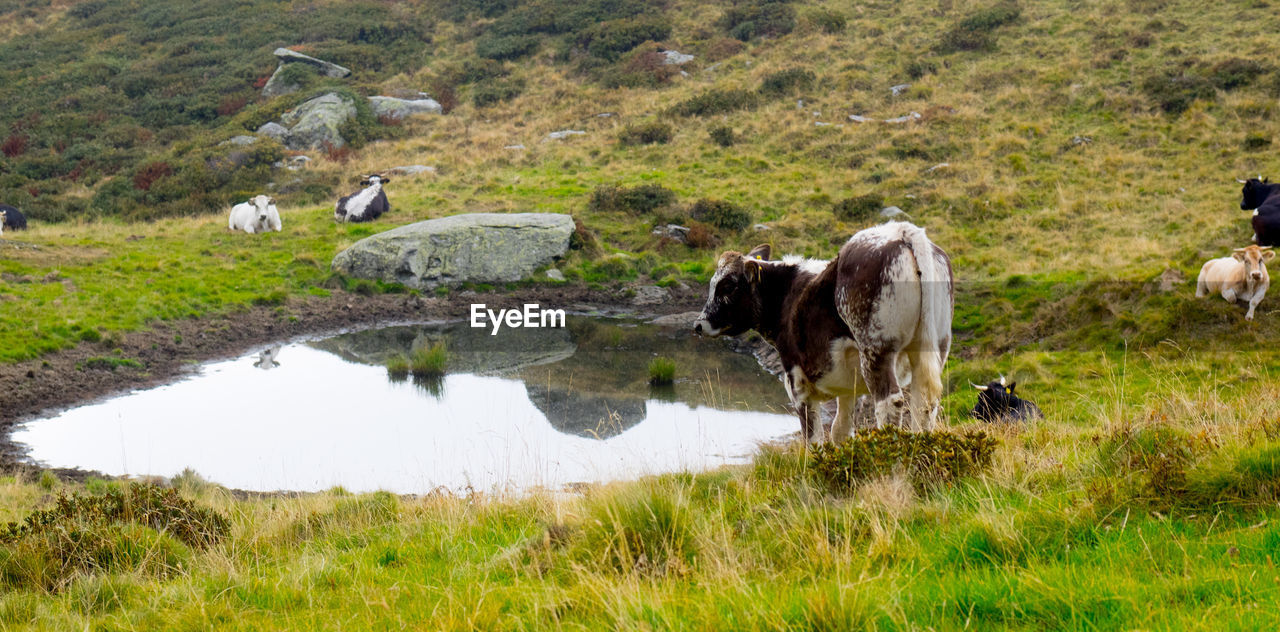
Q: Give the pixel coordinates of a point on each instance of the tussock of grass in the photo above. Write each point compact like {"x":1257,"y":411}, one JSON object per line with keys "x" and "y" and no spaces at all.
{"x":662,"y":371}
{"x":429,"y":360}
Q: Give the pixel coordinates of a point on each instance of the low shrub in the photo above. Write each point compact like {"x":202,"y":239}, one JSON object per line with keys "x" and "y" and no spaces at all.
{"x":493,"y":92}
{"x":715,"y":101}
{"x":1175,"y":92}
{"x":722,"y":135}
{"x":584,"y":240}
{"x":761,"y":18}
{"x":507,"y":47}
{"x":608,"y":41}
{"x":827,"y":20}
{"x":927,"y":457}
{"x":631,"y":200}
{"x":785,"y":82}
{"x":976,"y":31}
{"x":1235,"y":73}
{"x":701,"y":236}
{"x":721,"y":214}
{"x":858,"y":208}
{"x":651,"y":133}
{"x":138,"y":527}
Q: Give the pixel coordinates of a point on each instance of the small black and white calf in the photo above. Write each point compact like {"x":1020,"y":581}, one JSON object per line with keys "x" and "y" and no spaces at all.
{"x":365,"y":205}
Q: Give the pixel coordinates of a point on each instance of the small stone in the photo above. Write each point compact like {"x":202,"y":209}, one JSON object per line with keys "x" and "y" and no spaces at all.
{"x":565,"y":134}
{"x":903,"y":119}
{"x":890,"y":212}
{"x":675,"y":58}
{"x":1170,"y":279}
{"x":941,"y":165}
{"x":760,"y":227}
{"x":555,"y":275}
{"x":899,"y":89}
{"x":650,"y":295}
{"x":856,"y":118}
{"x":606,"y":115}
{"x":242,"y":139}
{"x":411,"y":170}
{"x":274,"y":130}
{"x":513,"y":147}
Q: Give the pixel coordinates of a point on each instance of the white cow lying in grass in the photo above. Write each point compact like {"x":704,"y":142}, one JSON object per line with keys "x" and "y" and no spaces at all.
{"x":258,"y":215}
{"x":1240,"y":277}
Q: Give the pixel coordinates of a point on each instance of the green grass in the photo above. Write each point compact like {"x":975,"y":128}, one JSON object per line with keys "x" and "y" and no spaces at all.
{"x":429,"y":360}
{"x":398,"y":366}
{"x":662,"y":371}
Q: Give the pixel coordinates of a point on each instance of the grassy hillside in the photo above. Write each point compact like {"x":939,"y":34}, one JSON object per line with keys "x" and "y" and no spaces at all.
{"x":1067,"y":155}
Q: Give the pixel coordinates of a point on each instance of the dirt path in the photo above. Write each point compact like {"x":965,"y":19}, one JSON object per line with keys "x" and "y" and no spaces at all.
{"x":169,"y":349}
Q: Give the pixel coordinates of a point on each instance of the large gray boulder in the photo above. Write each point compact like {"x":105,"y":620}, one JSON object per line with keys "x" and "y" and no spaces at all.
{"x":278,"y":84}
{"x":397,"y":109}
{"x":477,"y":248}
{"x":325,"y":68}
{"x":314,"y":124}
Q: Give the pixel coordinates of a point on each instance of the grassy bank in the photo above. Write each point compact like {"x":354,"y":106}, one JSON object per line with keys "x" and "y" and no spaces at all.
{"x":1151,"y":505}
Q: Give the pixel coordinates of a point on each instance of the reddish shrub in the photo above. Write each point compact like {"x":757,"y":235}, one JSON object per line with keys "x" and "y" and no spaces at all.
{"x":14,"y":145}
{"x":724,"y":48}
{"x":231,"y":104}
{"x":340,"y":155}
{"x":390,"y":121}
{"x":442,"y":91}
{"x":261,"y":82}
{"x":701,"y":236}
{"x":147,"y":176}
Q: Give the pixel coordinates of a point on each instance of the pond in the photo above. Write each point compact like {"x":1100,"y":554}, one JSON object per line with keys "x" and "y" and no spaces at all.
{"x":523,"y":409}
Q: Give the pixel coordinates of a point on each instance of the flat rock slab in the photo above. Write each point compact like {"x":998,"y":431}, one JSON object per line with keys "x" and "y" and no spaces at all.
{"x":328,"y":69}
{"x":476,"y":248}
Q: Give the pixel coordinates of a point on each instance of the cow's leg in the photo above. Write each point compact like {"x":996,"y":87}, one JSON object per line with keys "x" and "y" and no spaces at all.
{"x":843,"y":424}
{"x":926,"y":387}
{"x":1202,"y":288}
{"x":1229,"y":293}
{"x":1253,"y":302}
{"x":880,"y":371}
{"x":810,"y":422}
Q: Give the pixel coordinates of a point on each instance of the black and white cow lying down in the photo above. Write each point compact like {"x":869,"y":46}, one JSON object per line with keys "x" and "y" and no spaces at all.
{"x":881,"y":309}
{"x":11,"y":218}
{"x":365,"y":205}
{"x":997,"y":402}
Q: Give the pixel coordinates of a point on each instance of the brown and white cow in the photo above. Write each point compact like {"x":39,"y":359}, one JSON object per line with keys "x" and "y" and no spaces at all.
{"x":881,"y":309}
{"x":1240,"y":277}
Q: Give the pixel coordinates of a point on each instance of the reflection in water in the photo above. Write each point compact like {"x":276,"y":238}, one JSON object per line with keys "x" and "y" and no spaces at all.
{"x":570,"y":406}
{"x":267,"y":358}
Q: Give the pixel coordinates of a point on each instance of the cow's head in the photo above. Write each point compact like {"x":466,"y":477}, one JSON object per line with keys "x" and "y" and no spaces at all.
{"x":1254,"y":259}
{"x":377,"y":178}
{"x":731,"y":302}
{"x":995,"y":400}
{"x":1254,"y":193}
{"x":262,"y":205}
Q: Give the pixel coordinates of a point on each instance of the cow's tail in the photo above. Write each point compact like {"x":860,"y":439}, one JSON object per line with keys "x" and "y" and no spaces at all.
{"x":928,"y":352}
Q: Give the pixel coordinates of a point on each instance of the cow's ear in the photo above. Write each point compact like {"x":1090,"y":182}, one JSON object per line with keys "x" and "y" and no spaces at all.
{"x":760,"y":252}
{"x":1009,"y":389}
{"x":1267,"y":255}
{"x":753,"y":269}
{"x":1238,"y":254}
{"x":384,"y":179}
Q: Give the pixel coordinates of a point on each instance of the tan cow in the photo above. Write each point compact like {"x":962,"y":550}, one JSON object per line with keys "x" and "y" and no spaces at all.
{"x":1240,"y":277}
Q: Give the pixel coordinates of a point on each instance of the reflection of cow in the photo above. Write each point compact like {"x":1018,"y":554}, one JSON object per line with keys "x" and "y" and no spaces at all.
{"x":267,"y":358}
{"x":586,"y":414}
{"x":881,"y":309}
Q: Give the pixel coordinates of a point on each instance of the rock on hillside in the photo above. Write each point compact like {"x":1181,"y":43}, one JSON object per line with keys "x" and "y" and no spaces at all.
{"x":277,"y":85}
{"x":314,"y":123}
{"x":477,"y":248}
{"x":397,"y":109}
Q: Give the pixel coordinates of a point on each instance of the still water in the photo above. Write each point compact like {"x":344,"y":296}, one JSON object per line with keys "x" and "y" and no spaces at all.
{"x":526,"y":408}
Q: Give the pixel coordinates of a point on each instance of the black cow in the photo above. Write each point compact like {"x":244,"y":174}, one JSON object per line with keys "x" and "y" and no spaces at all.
{"x":1260,"y":196}
{"x":996,"y":402}
{"x":365,"y":205}
{"x":12,"y":218}
{"x":877,"y":318}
